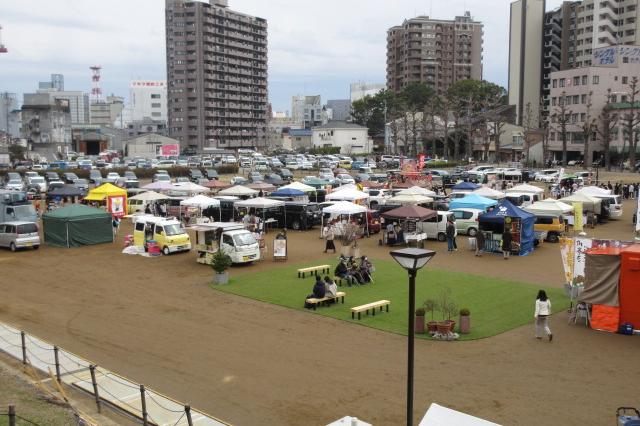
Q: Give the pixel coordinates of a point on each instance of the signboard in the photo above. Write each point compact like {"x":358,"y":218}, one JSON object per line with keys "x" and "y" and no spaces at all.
{"x":148,"y":83}
{"x":116,"y":205}
{"x":610,"y":56}
{"x":168,"y":150}
{"x":577,"y":217}
{"x":280,"y":249}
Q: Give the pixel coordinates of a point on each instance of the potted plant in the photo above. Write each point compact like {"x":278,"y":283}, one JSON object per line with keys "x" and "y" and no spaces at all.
{"x":465,"y":321}
{"x":430,"y":305}
{"x":444,"y":303}
{"x":451,"y":310}
{"x":220,"y":262}
{"x":418,"y":323}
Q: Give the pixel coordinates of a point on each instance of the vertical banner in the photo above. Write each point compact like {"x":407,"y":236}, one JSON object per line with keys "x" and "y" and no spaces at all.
{"x":421,"y":161}
{"x":566,"y":252}
{"x":638,"y":214}
{"x":579,"y":259}
{"x":578,"y":224}
{"x":116,"y":205}
{"x":560,"y":174}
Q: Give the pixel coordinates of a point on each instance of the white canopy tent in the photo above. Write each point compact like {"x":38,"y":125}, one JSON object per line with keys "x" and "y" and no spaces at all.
{"x":409,"y":199}
{"x":188,"y":187}
{"x":549,"y":207}
{"x":525,"y":187}
{"x":159,"y":186}
{"x":150,"y":196}
{"x":437,"y":415}
{"x":589,"y":203}
{"x":594,"y":191}
{"x":346,"y":195}
{"x":200,"y":201}
{"x":261,"y":203}
{"x":417,"y":190}
{"x":238,"y":191}
{"x":299,"y":186}
{"x":344,"y":208}
{"x":485,"y":191}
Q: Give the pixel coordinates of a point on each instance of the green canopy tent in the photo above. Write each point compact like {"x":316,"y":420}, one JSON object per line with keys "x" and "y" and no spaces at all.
{"x":77,"y":225}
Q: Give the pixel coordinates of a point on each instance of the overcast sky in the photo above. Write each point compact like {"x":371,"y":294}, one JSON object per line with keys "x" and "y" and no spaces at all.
{"x":315,"y":47}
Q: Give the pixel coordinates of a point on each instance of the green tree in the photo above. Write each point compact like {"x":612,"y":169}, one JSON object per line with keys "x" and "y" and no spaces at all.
{"x":16,"y":152}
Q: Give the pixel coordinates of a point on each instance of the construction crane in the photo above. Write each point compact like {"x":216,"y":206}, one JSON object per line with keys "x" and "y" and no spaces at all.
{"x":2,"y":48}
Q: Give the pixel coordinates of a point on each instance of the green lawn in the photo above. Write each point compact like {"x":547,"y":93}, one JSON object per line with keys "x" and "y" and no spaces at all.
{"x":496,"y":305}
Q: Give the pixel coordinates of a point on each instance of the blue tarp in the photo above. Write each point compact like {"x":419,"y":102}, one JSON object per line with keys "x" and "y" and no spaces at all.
{"x":287,"y":192}
{"x":507,"y":209}
{"x":472,"y":201}
{"x":465,"y":186}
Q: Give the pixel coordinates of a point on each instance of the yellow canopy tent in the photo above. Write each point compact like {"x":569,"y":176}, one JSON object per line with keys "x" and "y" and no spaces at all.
{"x":114,"y":198}
{"x":103,"y":191}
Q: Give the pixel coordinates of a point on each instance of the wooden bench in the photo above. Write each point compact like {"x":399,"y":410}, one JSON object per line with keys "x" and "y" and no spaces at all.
{"x":313,"y":270}
{"x":315,"y":302}
{"x":370,"y":306}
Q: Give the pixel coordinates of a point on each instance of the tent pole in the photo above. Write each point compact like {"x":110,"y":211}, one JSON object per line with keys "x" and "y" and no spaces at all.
{"x":67,"y":223}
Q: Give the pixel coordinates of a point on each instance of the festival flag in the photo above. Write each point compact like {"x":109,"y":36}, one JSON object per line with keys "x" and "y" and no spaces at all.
{"x":578,"y":224}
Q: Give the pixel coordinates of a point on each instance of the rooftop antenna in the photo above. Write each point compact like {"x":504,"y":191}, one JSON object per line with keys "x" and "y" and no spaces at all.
{"x":2,"y":48}
{"x":430,"y":8}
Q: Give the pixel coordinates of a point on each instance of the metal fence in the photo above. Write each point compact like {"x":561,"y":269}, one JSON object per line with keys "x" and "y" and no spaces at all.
{"x":108,"y":388}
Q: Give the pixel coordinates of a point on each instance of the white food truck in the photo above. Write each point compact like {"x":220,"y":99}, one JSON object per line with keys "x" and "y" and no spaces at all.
{"x":236,"y":241}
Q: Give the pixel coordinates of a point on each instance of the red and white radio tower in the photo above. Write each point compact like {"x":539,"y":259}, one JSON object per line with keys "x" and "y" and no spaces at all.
{"x":2,"y":48}
{"x":96,"y":91}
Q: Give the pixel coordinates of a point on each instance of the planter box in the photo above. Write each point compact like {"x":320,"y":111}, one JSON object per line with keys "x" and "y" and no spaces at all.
{"x":418,"y":324}
{"x":432,"y":327}
{"x":465,"y":324}
{"x":222,"y":278}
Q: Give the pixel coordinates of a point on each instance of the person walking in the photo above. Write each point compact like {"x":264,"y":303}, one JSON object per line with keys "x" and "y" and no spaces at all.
{"x":450,"y":232}
{"x":506,"y":243}
{"x":329,"y":236}
{"x":541,"y":315}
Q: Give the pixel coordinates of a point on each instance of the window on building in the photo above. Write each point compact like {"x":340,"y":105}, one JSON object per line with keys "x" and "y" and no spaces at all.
{"x":552,"y":136}
{"x":567,"y":100}
{"x":576,"y":99}
{"x":553,"y":101}
{"x":595,"y":80}
{"x":574,"y":117}
{"x":623,"y":98}
{"x":155,"y":96}
{"x":625,"y":59}
{"x":584,"y":80}
{"x":583,"y":99}
{"x":155,"y":114}
{"x":583,"y":117}
{"x":625,"y":80}
{"x":554,"y":83}
{"x":562,"y":82}
{"x":576,"y":81}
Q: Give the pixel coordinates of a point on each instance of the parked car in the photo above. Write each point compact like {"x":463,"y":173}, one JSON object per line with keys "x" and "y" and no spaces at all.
{"x":161,"y":177}
{"x":82,"y":184}
{"x":195,"y":174}
{"x":69,"y":177}
{"x":255,"y":177}
{"x":211,"y":174}
{"x":112,"y":177}
{"x":274,"y":179}
{"x":36,"y":184}
{"x":345,"y":178}
{"x":286,"y":175}
{"x":361,"y":177}
{"x":466,"y":220}
{"x":95,"y":177}
{"x":436,"y":227}
{"x":182,"y":179}
{"x":15,"y":185}
{"x":16,"y":235}
{"x":239,"y":180}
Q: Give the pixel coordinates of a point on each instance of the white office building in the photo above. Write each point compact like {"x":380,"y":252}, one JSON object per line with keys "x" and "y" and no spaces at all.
{"x":148,"y":99}
{"x":351,"y":138}
{"x":360,"y":90}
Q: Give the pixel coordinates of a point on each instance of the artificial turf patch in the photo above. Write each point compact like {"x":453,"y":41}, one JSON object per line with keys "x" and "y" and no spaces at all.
{"x":496,"y":305}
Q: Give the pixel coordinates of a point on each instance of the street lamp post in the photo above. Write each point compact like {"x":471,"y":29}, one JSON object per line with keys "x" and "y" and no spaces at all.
{"x":411,"y":259}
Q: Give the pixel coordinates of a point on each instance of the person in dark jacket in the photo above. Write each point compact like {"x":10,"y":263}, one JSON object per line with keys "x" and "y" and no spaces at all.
{"x":342,"y":271}
{"x":479,"y":243}
{"x":506,"y":243}
{"x":450,"y":232}
{"x":318,"y":292}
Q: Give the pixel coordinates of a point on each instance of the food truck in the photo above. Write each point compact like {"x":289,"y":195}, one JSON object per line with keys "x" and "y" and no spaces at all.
{"x":236,"y":241}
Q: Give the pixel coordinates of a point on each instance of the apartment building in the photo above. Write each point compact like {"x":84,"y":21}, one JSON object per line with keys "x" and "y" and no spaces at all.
{"x":584,"y":92}
{"x":307,"y":110}
{"x":216,"y":76}
{"x":602,"y":23}
{"x":433,"y":51}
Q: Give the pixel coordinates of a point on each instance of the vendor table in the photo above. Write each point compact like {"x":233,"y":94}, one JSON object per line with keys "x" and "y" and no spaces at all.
{"x":492,"y":246}
{"x":419,"y":238}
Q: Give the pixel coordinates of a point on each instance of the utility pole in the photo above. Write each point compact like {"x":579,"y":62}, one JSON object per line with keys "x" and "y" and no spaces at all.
{"x":386,"y":130}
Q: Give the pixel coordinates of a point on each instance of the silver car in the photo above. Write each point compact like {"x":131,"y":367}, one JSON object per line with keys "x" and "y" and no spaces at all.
{"x":17,"y":235}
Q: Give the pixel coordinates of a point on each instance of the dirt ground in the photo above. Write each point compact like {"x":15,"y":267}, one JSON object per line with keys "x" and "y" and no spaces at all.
{"x":157,"y":321}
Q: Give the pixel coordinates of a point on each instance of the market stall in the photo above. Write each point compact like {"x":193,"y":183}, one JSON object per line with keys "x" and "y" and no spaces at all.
{"x":113,"y":198}
{"x":239,"y":191}
{"x":417,"y":190}
{"x":412,"y":199}
{"x":347,"y":194}
{"x":344,"y":208}
{"x":262,"y":205}
{"x":507,"y":216}
{"x":200,"y":203}
{"x":465,"y":186}
{"x":525,"y":187}
{"x":408,"y":216}
{"x":138,"y":203}
{"x":472,"y":201}
{"x":77,"y":225}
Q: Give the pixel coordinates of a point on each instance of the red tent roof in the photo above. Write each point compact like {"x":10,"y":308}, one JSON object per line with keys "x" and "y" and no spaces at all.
{"x":410,"y":212}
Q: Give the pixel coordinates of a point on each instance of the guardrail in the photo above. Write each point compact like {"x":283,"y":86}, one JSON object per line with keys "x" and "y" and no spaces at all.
{"x":139,"y":402}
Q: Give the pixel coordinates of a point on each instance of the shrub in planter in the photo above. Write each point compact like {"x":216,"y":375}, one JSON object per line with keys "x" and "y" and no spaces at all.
{"x":465,"y":321}
{"x":418,"y":323}
{"x":220,"y":262}
{"x":430,"y":305}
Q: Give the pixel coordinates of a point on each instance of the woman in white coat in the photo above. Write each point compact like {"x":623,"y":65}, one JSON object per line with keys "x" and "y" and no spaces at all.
{"x":543,"y":310}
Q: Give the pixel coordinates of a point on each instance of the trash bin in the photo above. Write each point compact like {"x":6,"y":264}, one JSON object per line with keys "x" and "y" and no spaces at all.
{"x":472,"y":243}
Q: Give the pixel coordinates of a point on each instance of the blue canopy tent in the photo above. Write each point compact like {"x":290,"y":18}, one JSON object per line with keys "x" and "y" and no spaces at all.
{"x":517,"y":220}
{"x":287,"y":192}
{"x":472,"y":201}
{"x":465,"y":186}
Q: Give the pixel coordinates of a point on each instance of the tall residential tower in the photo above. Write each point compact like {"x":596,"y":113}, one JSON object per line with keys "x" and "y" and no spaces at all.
{"x":216,"y":75}
{"x":433,"y":51}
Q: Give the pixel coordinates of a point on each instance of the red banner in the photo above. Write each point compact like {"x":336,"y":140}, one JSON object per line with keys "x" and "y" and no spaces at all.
{"x":116,"y":205}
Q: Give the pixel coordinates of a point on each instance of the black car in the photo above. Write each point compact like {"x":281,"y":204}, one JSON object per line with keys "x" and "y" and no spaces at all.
{"x":274,"y":179}
{"x":297,"y":215}
{"x":51,"y":176}
{"x":286,"y":174}
{"x":69,"y":177}
{"x":211,"y":174}
{"x":195,"y":174}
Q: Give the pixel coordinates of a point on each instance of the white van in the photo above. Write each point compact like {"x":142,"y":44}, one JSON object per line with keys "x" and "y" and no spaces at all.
{"x":525,"y":198}
{"x":615,"y":204}
{"x":436,"y":227}
{"x":236,"y":241}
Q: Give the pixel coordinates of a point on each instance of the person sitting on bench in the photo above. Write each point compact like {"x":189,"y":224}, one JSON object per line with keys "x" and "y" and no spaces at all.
{"x":365,"y":269}
{"x":318,"y":292}
{"x":354,"y":271}
{"x":330,"y":288}
{"x":342,"y":271}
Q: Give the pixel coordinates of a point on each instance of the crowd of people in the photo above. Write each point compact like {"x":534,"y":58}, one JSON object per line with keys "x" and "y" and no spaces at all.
{"x":354,"y":273}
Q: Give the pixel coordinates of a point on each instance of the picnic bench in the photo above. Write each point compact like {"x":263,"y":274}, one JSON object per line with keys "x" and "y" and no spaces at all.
{"x":315,"y":301}
{"x":313,"y":270}
{"x":370,"y":306}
